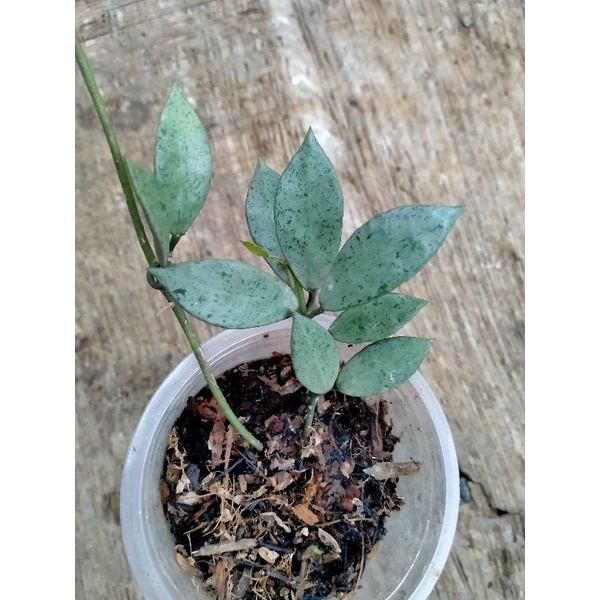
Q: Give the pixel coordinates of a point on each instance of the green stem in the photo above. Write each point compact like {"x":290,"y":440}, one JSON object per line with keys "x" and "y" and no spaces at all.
{"x":310,"y":415}
{"x":296,"y":288}
{"x":111,"y":138}
{"x":138,"y":225}
{"x":209,"y":377}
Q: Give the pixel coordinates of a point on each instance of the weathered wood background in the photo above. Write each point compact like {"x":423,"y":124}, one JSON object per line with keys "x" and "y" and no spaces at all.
{"x":414,"y":101}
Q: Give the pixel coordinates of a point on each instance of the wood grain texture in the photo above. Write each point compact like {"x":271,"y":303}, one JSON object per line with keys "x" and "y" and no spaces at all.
{"x":414,"y":101}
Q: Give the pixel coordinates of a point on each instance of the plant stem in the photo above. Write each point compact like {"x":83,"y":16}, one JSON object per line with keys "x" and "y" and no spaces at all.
{"x":296,"y":288}
{"x":209,"y":377}
{"x":310,"y":415}
{"x":111,"y":138}
{"x":138,"y":225}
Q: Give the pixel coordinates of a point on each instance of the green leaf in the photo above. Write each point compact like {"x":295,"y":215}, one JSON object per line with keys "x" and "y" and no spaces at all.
{"x":260,"y":213}
{"x":308,"y":214}
{"x":315,"y":356}
{"x":154,"y":205}
{"x":375,"y":320}
{"x":386,"y":251}
{"x":255,"y":249}
{"x":227,"y":293}
{"x":182,"y":160}
{"x":382,"y":366}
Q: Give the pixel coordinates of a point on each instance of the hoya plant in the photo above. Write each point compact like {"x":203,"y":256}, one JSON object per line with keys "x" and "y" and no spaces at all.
{"x":295,"y":221}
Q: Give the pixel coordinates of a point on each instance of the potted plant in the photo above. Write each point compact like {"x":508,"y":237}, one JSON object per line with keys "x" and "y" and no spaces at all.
{"x":283,"y":487}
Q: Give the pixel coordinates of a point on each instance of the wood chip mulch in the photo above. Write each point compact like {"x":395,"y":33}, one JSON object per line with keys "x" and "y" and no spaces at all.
{"x":293,"y":522}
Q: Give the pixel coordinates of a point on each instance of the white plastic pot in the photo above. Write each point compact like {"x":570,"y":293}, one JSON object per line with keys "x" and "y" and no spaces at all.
{"x":419,"y":535}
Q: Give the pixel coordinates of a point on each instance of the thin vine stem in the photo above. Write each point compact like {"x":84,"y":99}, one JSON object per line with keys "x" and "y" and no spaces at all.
{"x":138,"y":225}
{"x":113,"y":144}
{"x":210,"y":378}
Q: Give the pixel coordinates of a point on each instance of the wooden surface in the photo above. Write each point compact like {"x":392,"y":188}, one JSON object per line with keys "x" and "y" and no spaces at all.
{"x":414,"y":101}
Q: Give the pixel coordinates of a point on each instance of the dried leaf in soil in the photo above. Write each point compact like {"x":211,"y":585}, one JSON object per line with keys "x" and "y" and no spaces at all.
{"x":293,"y":521}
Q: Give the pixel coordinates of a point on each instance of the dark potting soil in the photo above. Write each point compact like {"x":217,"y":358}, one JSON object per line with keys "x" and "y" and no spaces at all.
{"x":293,"y":522}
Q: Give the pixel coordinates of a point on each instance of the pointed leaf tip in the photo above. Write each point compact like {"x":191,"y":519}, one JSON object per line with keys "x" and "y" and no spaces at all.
{"x":308,"y":213}
{"x":182,"y":160}
{"x":385,"y":252}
